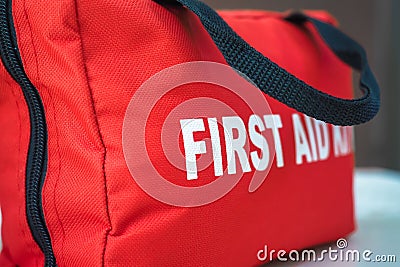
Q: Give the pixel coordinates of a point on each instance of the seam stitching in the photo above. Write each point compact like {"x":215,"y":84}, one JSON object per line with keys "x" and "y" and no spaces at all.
{"x":20,"y":207}
{"x":53,"y":195}
{"x":108,"y":230}
{"x":26,"y":17}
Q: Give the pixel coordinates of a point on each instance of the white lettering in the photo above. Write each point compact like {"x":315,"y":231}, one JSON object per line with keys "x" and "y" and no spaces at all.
{"x":341,"y":141}
{"x":262,"y":254}
{"x":321,"y":130}
{"x":216,"y":146}
{"x":274,"y":123}
{"x":259,"y":141}
{"x":235,"y":145}
{"x":302,"y":146}
{"x":192,"y":148}
{"x":311,"y":135}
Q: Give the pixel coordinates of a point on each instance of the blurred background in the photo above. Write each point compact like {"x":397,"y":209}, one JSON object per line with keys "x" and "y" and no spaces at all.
{"x":376,"y":25}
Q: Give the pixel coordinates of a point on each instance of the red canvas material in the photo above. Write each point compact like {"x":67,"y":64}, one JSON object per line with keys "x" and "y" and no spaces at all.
{"x":87,"y":59}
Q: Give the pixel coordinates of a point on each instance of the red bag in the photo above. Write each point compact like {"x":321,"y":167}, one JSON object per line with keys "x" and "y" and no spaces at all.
{"x":110,"y":156}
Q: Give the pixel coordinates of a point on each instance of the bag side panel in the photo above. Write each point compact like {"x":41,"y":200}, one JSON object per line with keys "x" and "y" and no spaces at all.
{"x":297,"y":207}
{"x":19,"y":248}
{"x":74,"y":199}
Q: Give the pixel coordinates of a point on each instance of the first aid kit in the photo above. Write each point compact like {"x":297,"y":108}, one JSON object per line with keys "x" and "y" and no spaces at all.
{"x":164,"y":133}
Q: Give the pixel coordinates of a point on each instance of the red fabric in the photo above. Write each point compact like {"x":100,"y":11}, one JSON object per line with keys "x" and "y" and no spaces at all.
{"x":87,"y":59}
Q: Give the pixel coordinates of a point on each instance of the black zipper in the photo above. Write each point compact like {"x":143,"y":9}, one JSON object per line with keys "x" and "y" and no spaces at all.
{"x":36,"y":164}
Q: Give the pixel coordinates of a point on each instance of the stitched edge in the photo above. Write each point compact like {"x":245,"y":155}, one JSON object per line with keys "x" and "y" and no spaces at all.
{"x":20,"y":207}
{"x":53,"y":195}
{"x":108,"y":230}
{"x":37,"y":74}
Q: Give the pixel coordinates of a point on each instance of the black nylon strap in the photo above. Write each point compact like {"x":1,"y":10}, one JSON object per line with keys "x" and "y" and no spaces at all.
{"x":285,"y":87}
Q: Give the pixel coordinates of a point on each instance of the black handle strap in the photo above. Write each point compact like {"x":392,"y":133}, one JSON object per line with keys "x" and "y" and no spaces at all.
{"x":285,"y":87}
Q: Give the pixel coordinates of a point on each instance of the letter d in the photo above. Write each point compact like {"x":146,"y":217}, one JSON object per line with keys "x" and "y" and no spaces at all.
{"x":262,"y":254}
